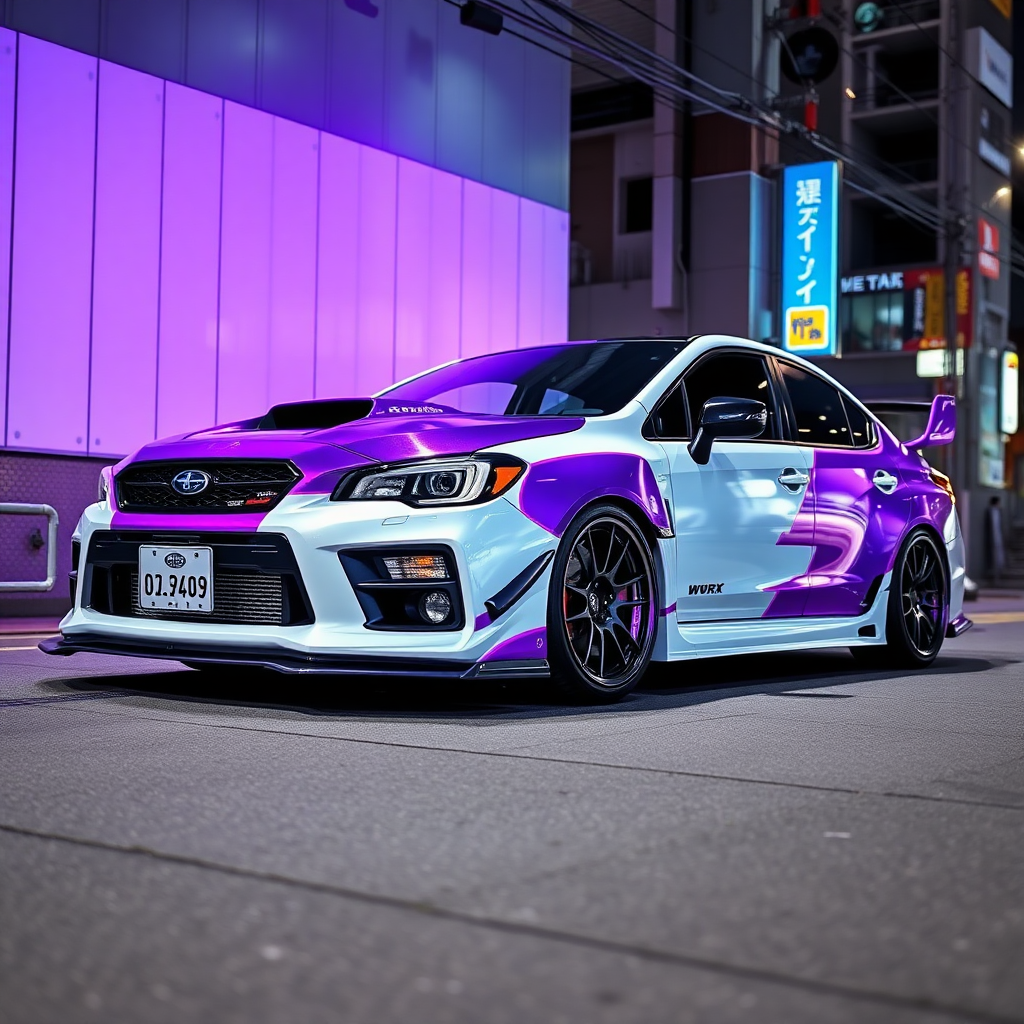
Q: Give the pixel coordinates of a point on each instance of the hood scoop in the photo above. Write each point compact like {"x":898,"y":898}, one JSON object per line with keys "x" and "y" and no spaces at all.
{"x":317,"y":415}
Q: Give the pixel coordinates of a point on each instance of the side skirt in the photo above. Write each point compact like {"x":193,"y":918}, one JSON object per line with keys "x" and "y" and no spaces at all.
{"x":751,"y":636}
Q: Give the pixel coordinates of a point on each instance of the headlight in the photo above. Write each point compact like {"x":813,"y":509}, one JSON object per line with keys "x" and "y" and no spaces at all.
{"x":106,"y":484}
{"x":459,"y":481}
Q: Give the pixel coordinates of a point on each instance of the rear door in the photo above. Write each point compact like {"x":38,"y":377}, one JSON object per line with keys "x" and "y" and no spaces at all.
{"x":730,"y":515}
{"x":856,"y":496}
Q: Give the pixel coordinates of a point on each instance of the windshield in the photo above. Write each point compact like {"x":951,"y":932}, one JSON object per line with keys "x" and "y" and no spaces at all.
{"x":557,"y":380}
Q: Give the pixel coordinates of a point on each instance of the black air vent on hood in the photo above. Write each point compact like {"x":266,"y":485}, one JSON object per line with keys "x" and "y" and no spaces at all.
{"x":330,"y":412}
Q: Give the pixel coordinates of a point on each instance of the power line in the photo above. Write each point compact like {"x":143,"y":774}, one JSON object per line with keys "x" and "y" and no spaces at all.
{"x":891,"y":193}
{"x":868,"y":156}
{"x":662,"y":74}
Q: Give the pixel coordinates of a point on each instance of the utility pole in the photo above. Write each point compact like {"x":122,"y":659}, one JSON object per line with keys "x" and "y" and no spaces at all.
{"x":953,"y":239}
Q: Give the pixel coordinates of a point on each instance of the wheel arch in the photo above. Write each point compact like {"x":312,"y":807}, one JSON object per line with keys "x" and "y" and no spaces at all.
{"x":922,"y":525}
{"x":633,"y":518}
{"x":639,"y":517}
{"x":555,"y":491}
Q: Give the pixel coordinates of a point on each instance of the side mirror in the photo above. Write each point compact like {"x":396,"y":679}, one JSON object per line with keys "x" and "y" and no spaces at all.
{"x":726,"y":417}
{"x":941,"y":427}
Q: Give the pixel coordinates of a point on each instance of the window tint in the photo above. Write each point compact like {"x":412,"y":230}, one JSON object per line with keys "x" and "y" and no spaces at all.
{"x":860,"y":425}
{"x":557,"y":380}
{"x":669,"y":419}
{"x":492,"y":399}
{"x":730,"y":375}
{"x":817,"y":407}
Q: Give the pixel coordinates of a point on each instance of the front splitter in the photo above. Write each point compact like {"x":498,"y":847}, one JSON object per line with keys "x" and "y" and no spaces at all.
{"x":279,"y":659}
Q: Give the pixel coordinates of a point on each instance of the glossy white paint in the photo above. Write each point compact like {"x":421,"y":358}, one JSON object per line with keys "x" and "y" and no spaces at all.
{"x":728,"y":517}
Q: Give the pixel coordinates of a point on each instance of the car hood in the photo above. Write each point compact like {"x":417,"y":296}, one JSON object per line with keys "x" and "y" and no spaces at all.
{"x":383,"y":431}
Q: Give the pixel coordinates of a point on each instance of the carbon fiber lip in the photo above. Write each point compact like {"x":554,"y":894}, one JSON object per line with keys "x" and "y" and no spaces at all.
{"x":286,"y":661}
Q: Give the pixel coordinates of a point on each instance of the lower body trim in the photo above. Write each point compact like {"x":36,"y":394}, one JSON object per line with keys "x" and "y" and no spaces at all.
{"x":280,"y":659}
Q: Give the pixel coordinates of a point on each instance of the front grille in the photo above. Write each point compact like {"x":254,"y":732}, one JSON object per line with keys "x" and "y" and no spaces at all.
{"x":236,"y":485}
{"x":256,"y":600}
{"x":256,"y":580}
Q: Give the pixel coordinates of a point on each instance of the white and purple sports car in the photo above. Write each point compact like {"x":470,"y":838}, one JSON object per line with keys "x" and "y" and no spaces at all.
{"x":571,"y":512}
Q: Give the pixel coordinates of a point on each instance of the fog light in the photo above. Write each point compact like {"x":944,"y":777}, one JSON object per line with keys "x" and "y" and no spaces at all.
{"x":416,"y":567}
{"x":435,"y":607}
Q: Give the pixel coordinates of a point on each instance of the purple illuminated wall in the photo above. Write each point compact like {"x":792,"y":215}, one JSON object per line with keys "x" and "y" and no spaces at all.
{"x":179,"y":259}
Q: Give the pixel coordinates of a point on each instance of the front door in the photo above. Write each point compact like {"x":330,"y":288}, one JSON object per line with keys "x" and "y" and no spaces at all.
{"x":734,"y":517}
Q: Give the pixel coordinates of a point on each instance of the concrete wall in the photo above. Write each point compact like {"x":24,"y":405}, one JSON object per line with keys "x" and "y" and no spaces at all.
{"x":730,"y":283}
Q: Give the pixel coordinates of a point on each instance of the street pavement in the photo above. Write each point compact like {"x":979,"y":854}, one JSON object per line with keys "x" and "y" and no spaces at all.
{"x":758,"y":839}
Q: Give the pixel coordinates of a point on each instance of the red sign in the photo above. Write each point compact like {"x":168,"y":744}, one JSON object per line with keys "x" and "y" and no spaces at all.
{"x":988,"y":249}
{"x":925,"y":310}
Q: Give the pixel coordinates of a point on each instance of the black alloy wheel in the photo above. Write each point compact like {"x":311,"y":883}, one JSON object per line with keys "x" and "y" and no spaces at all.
{"x":918,"y":606}
{"x":922,"y":591}
{"x":602,"y":607}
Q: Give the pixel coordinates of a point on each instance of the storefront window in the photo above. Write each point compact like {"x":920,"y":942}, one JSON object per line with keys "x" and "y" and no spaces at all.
{"x":900,"y":311}
{"x":873,"y":323}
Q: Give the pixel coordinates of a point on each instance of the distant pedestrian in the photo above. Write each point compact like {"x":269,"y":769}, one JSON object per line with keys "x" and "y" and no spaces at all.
{"x":996,"y":544}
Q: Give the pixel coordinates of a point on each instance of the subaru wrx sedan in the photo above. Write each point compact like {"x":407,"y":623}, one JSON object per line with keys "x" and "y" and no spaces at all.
{"x":570,"y":512}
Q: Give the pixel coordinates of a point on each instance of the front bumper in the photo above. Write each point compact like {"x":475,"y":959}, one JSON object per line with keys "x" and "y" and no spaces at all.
{"x":281,"y":660}
{"x":492,"y":544}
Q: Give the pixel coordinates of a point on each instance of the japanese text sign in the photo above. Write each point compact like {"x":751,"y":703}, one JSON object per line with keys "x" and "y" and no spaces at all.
{"x":810,"y":234}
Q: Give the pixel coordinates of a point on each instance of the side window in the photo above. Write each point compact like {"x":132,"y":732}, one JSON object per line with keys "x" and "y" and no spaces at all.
{"x":731,"y":375}
{"x":669,"y":419}
{"x":861,"y":427}
{"x":817,"y":407}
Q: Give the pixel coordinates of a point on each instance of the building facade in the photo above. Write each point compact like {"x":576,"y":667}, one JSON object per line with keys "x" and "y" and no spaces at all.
{"x":920,"y":91}
{"x":210,"y":206}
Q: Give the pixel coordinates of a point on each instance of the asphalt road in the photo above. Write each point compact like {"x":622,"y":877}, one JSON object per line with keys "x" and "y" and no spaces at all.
{"x":783,"y":838}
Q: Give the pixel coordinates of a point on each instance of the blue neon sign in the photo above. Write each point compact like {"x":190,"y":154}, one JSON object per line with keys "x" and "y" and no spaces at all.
{"x":810,"y":246}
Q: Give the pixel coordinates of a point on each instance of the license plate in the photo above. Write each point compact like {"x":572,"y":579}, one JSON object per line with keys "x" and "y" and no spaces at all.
{"x":176,"y":579}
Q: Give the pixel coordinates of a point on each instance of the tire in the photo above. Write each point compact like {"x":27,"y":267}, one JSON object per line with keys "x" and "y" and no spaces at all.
{"x":602,"y":607}
{"x":917,"y":610}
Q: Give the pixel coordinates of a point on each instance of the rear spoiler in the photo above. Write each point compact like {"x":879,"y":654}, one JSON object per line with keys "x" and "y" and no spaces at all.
{"x":941,"y":418}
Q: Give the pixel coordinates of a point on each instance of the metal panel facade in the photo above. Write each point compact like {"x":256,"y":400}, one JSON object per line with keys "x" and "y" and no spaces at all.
{"x":243,"y":348}
{"x":225,"y":259}
{"x":51,"y":281}
{"x":189,"y":255}
{"x":400,"y":75}
{"x":126,"y":259}
{"x":8,"y":64}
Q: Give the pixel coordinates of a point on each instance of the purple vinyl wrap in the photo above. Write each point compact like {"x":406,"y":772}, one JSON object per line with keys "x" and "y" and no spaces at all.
{"x":395,"y":438}
{"x":526,"y":646}
{"x":553,"y":491}
{"x":941,"y":428}
{"x":854,"y":528}
{"x":324,"y":456}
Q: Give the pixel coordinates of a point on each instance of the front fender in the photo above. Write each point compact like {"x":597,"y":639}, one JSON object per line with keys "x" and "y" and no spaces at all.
{"x":554,"y":490}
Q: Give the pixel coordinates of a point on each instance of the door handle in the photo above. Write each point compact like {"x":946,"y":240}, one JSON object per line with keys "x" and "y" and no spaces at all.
{"x":794,"y":479}
{"x":884,"y":481}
